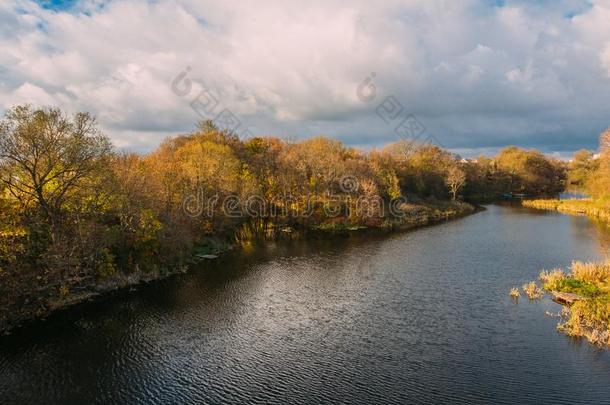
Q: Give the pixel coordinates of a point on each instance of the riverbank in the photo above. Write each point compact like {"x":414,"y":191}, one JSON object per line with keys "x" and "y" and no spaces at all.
{"x":590,"y":208}
{"x":586,"y":311}
{"x":41,"y":302}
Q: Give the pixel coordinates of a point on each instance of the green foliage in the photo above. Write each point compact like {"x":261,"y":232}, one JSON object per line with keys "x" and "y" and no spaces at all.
{"x":149,"y":226}
{"x":104,"y":266}
{"x":211,"y":246}
{"x":579,"y":287}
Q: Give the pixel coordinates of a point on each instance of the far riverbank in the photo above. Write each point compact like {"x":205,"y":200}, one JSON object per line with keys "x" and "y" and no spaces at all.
{"x":13,"y":313}
{"x":591,"y":208}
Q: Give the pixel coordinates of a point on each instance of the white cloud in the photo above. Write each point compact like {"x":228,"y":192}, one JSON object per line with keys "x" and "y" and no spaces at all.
{"x":605,"y":58}
{"x":30,"y":93}
{"x":477,"y":75}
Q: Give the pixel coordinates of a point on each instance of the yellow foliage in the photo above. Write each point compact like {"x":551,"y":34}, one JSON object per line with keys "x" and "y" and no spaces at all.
{"x":591,"y":272}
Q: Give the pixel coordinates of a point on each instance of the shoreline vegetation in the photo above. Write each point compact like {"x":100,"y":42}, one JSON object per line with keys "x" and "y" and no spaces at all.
{"x":585,"y":294}
{"x":79,"y":218}
{"x":423,"y":215}
{"x":585,"y":290}
{"x":594,"y":209}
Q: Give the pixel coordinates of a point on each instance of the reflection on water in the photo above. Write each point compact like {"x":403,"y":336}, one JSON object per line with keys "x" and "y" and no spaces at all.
{"x":572,"y":195}
{"x":419,"y":317}
{"x":600,"y":232}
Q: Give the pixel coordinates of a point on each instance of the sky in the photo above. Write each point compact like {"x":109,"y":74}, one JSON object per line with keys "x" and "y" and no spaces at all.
{"x":472,"y":76}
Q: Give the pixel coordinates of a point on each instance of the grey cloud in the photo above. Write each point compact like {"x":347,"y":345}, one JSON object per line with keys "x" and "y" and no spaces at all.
{"x":478,"y":74}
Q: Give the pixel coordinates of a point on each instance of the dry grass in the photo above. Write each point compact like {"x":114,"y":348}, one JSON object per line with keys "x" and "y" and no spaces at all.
{"x":589,"y":317}
{"x":591,"y":272}
{"x":532,"y":291}
{"x":552,"y":279}
{"x":595,"y":209}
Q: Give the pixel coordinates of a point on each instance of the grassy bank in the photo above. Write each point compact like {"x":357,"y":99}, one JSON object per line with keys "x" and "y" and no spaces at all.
{"x":414,"y":215}
{"x":594,"y":209}
{"x":588,"y":285}
{"x":41,"y":302}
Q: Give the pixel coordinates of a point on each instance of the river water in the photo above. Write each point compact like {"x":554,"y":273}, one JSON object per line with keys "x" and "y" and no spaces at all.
{"x":418,"y":317}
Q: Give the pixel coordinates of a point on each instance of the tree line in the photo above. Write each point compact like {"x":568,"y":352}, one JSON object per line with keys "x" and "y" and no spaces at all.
{"x":589,"y":172}
{"x":75,"y":211}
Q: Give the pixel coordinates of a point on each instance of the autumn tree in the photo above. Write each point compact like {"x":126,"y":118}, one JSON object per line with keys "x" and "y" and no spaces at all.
{"x":580,"y":168}
{"x":532,"y":172}
{"x":598,"y":181}
{"x":47,"y":157}
{"x":424,"y":173}
{"x":484,"y":180}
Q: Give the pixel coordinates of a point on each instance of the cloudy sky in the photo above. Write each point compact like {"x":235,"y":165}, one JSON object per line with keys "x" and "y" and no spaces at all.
{"x":476,"y":74}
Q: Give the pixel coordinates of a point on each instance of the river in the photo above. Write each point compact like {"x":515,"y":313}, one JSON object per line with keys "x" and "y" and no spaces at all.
{"x":417,"y":317}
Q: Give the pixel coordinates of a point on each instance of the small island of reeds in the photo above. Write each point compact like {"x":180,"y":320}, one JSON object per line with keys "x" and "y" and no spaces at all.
{"x":585,"y":294}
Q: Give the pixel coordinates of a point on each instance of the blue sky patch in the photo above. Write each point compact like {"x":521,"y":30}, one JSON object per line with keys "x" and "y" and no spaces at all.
{"x":57,"y":5}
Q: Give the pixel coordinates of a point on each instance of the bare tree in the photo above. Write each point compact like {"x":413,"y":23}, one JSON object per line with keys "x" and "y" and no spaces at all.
{"x":455,"y":179}
{"x":45,"y":157}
